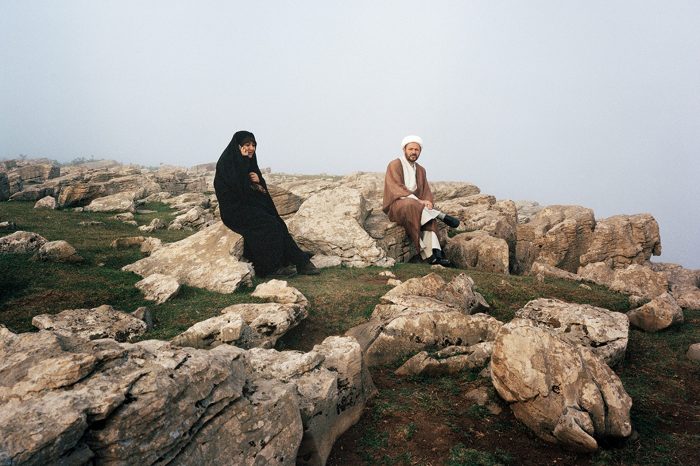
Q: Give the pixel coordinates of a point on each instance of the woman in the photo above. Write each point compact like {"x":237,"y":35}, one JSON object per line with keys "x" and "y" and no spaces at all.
{"x":247,"y":208}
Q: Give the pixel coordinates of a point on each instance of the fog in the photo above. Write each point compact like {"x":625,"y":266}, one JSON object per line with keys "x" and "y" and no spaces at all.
{"x":594,"y":103}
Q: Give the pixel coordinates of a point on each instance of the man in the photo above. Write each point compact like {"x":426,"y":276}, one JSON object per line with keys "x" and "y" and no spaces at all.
{"x":409,"y":202}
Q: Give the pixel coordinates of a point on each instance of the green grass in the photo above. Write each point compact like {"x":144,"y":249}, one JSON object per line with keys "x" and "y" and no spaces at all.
{"x":462,"y":456}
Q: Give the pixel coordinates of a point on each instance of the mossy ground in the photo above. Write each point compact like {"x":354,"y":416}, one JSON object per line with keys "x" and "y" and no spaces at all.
{"x":412,"y":420}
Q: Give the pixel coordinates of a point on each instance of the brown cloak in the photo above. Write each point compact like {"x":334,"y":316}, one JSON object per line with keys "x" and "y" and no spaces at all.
{"x":406,"y":212}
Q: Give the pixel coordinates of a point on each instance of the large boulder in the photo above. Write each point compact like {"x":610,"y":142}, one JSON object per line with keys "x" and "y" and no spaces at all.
{"x":158,"y":287}
{"x":478,"y":250}
{"x":424,"y":314}
{"x":196,"y":218}
{"x":78,"y":194}
{"x":562,"y":391}
{"x":556,"y":235}
{"x":332,"y":385}
{"x":636,"y":280}
{"x":71,"y":401}
{"x":207,"y":259}
{"x":119,"y":202}
{"x":683,"y":282}
{"x":92,"y":324}
{"x":602,"y":331}
{"x":47,"y":202}
{"x":57,"y":251}
{"x":286,"y":203}
{"x":484,"y":212}
{"x":21,"y":242}
{"x":658,"y":314}
{"x":623,"y":240}
{"x":331,"y":223}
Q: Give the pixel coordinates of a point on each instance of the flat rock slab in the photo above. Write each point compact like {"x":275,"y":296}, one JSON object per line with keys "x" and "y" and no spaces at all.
{"x":158,"y":287}
{"x":92,"y":324}
{"x":207,"y":259}
{"x":21,"y":242}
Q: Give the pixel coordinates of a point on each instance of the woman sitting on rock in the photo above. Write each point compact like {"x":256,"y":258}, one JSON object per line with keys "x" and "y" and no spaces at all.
{"x":247,"y":208}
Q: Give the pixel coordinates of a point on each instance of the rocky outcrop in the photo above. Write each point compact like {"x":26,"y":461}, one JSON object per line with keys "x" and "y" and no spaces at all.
{"x":483,"y":212}
{"x":682,"y":282}
{"x":658,"y":314}
{"x":207,"y":259}
{"x":556,"y":235}
{"x":562,"y":391}
{"x":478,"y":250}
{"x":119,"y":202}
{"x":527,"y":210}
{"x":71,"y":401}
{"x":421,"y":314}
{"x":636,"y":280}
{"x":78,"y":194}
{"x":286,"y":203}
{"x":331,"y":223}
{"x":57,"y":251}
{"x":21,"y":242}
{"x":623,"y":240}
{"x":92,"y":324}
{"x":602,"y":331}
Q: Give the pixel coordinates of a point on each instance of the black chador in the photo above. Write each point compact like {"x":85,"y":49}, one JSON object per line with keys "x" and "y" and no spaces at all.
{"x":247,"y":208}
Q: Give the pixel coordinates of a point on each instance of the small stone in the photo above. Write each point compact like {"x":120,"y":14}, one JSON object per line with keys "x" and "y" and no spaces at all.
{"x":393,"y":282}
{"x":694,"y":352}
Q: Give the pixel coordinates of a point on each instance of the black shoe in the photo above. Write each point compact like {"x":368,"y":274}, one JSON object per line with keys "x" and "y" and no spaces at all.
{"x":308,"y":269}
{"x":438,"y":258}
{"x":283,"y":272}
{"x":451,"y":221}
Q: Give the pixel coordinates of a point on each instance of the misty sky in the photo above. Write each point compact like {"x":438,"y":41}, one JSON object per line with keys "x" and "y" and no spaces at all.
{"x":594,"y":103}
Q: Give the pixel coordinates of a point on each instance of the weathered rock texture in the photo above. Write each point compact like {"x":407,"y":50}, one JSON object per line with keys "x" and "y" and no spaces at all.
{"x":92,"y":324}
{"x":119,"y":202}
{"x":451,"y":360}
{"x":562,"y":391}
{"x":47,"y":202}
{"x":21,"y":242}
{"x":658,"y":314}
{"x":71,"y":401}
{"x":635,"y":279}
{"x":623,"y":240}
{"x":556,"y":235}
{"x":158,"y":287}
{"x":478,"y":250}
{"x":207,"y":259}
{"x":602,"y":331}
{"x":331,"y":223}
{"x":424,"y":313}
{"x":683,"y":282}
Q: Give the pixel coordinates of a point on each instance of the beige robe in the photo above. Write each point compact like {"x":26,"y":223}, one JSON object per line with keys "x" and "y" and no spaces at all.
{"x":407,"y":212}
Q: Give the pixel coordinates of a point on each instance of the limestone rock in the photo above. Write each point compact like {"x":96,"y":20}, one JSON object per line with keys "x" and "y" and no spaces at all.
{"x":527,"y":210}
{"x":156,"y":224}
{"x":158,"y":287}
{"x":478,"y":250}
{"x":127,"y":242}
{"x":269,"y":321}
{"x":78,"y":194}
{"x":604,"y":332}
{"x":694,"y":352}
{"x":330,"y":223}
{"x":207,"y":259}
{"x":47,"y":202}
{"x":187,"y":201}
{"x":451,"y":360}
{"x":4,"y":186}
{"x":57,"y":251}
{"x":119,"y":202}
{"x":658,"y":314}
{"x":150,"y":244}
{"x":563,"y":392}
{"x":322,"y":261}
{"x":635,"y":280}
{"x":285,"y":202}
{"x":623,"y":240}
{"x":556,"y":235}
{"x":683,"y":282}
{"x":99,"y":322}
{"x":125,"y":217}
{"x":228,"y":329}
{"x":278,"y":291}
{"x":447,"y":190}
{"x":21,"y":242}
{"x":144,"y":403}
{"x":393,"y":282}
{"x":194,"y":219}
{"x":484,"y":212}
{"x":539,"y":268}
{"x":332,"y":385}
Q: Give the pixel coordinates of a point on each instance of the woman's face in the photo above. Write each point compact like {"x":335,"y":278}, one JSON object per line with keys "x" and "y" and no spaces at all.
{"x":247,"y":149}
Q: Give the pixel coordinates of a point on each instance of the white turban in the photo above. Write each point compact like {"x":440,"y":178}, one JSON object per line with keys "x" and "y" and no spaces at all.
{"x":410,"y":139}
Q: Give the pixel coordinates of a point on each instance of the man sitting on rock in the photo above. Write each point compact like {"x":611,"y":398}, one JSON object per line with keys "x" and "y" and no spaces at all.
{"x":409,"y":202}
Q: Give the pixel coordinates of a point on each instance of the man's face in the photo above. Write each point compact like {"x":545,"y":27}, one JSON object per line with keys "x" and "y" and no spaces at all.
{"x":412,"y":151}
{"x":247,"y":149}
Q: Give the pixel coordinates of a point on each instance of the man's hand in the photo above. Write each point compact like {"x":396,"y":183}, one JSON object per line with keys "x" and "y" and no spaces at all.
{"x":254,"y":177}
{"x":427,"y":204}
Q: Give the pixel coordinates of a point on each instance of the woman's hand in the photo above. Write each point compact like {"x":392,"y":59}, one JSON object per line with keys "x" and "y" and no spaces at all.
{"x":254,"y":177}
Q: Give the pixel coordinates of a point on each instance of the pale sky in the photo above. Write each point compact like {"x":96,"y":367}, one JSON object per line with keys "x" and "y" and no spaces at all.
{"x":593,"y":103}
